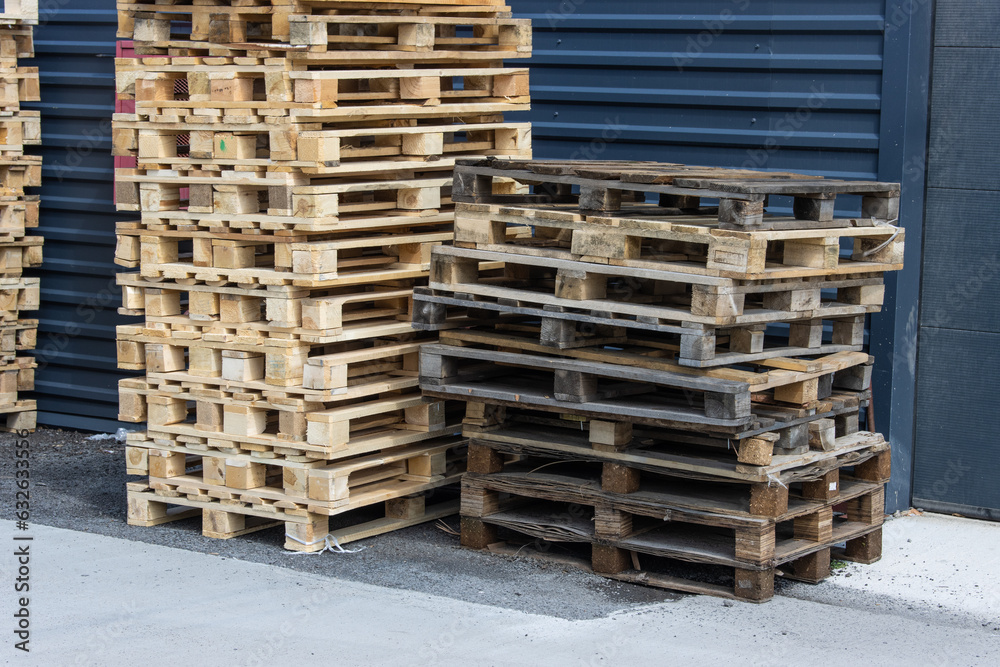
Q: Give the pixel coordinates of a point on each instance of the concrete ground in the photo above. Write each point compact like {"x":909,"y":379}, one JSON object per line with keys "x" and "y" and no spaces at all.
{"x":107,"y":594}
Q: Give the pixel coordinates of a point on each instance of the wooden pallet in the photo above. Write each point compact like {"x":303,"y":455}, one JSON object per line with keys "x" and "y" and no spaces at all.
{"x":308,"y":430}
{"x":171,"y":90}
{"x":651,"y":295}
{"x":625,"y":385}
{"x":16,"y":42}
{"x":785,"y":380}
{"x":17,"y":375}
{"x":321,"y":315}
{"x":17,"y":294}
{"x":17,"y":131}
{"x":288,"y":260}
{"x":18,"y":172}
{"x":603,"y":187}
{"x":18,"y":84}
{"x":20,"y":254}
{"x":20,"y":416}
{"x":262,"y":200}
{"x":17,"y":336}
{"x":783,"y":441}
{"x":16,"y":217}
{"x":235,"y":492}
{"x":314,"y":148}
{"x":323,"y":486}
{"x":341,"y":38}
{"x":625,"y":525}
{"x":19,"y":13}
{"x":642,"y":236}
{"x":699,"y":346}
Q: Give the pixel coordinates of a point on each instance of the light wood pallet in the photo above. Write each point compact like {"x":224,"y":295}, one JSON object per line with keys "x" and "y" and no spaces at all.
{"x":265,"y":200}
{"x":18,"y":213}
{"x":403,"y":29}
{"x":20,"y":254}
{"x":16,"y":42}
{"x":605,"y":187}
{"x":17,"y":375}
{"x":327,"y":315}
{"x":316,"y":148}
{"x":19,"y":130}
{"x":381,"y":413}
{"x":696,"y":345}
{"x":17,"y":336}
{"x":340,"y":38}
{"x":627,"y":521}
{"x":301,"y":260}
{"x":172,"y":90}
{"x":17,"y":85}
{"x":18,"y":172}
{"x":17,"y":294}
{"x":241,"y":493}
{"x":19,"y":13}
{"x":643,"y":237}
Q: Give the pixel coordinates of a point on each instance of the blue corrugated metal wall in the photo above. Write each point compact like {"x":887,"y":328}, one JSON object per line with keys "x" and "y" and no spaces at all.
{"x":777,"y":85}
{"x":77,"y":378}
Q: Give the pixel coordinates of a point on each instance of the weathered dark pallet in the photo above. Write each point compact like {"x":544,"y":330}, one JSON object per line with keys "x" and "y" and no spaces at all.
{"x":583,"y":387}
{"x":644,"y":236}
{"x":779,"y":436}
{"x":622,"y":516}
{"x":699,"y":346}
{"x":795,"y":382}
{"x":647,"y":295}
{"x":604,"y":186}
{"x":664,"y":451}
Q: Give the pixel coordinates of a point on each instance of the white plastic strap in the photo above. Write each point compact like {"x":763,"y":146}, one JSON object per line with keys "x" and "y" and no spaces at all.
{"x":330,"y":544}
{"x":874,"y":250}
{"x":773,"y":479}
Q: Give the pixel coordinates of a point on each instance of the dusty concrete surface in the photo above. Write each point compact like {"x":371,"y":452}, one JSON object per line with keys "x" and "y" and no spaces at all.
{"x":107,"y":601}
{"x":108,"y":593}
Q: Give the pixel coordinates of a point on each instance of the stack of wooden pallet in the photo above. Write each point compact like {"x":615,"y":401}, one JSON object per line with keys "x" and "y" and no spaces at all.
{"x":18,"y":213}
{"x":660,"y":380}
{"x":294,"y":170}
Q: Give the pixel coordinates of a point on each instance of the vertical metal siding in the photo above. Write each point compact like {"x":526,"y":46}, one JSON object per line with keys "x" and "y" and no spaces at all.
{"x":77,"y":379}
{"x":772,"y":85}
{"x":957,"y":462}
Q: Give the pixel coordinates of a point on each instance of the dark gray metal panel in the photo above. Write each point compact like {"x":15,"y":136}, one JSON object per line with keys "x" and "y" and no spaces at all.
{"x":77,"y":379}
{"x":962,"y":261}
{"x":965,"y":125}
{"x":967,"y":23}
{"x":957,"y":460}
